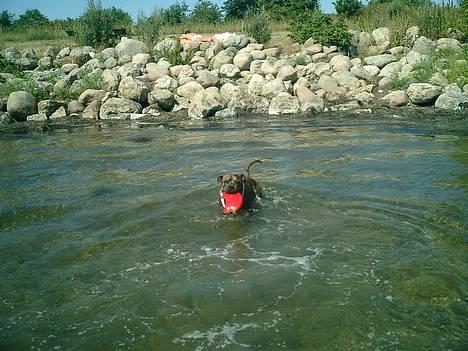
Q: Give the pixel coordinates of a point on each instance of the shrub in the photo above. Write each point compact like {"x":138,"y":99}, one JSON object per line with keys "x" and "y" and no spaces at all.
{"x":236,"y":9}
{"x":347,"y":8}
{"x":88,"y":81}
{"x":205,"y":12}
{"x":31,"y":18}
{"x":321,"y":28}
{"x":257,"y":24}
{"x":175,"y":14}
{"x":147,"y":29}
{"x":173,"y":54}
{"x":94,"y":27}
{"x":25,"y":84}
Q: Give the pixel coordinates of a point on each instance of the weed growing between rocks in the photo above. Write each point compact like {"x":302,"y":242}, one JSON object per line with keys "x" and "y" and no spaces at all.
{"x":257,"y":24}
{"x":173,"y":54}
{"x":25,"y":84}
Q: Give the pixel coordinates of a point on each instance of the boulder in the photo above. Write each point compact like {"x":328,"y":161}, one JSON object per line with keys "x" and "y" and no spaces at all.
{"x":287,"y":73}
{"x":327,"y":83}
{"x":129,"y":88}
{"x":340,"y":63}
{"x":50,"y":51}
{"x":391,"y":70}
{"x":243,"y":61}
{"x":166,"y":82}
{"x":268,"y":68}
{"x":129,"y":70}
{"x":20,"y":104}
{"x":414,"y":57}
{"x":346,"y":79}
{"x":75,"y":106}
{"x":438,"y":79}
{"x":448,"y":43}
{"x":60,"y":113}
{"x":69,"y":67}
{"x":90,"y":95}
{"x":381,"y":37}
{"x":163,"y":97}
{"x":205,"y":103}
{"x":223,"y":57}
{"x":313,"y":49}
{"x":424,"y":46}
{"x":272,"y":52}
{"x":361,"y":73}
{"x":256,"y":84}
{"x":79,"y":56}
{"x":452,"y":98}
{"x":207,"y":79}
{"x":110,"y":80}
{"x":189,"y":90}
{"x":284,"y":104}
{"x":48,"y":107}
{"x":111,"y":62}
{"x":37,"y":117}
{"x":45,"y":63}
{"x":396,"y":98}
{"x":229,"y":70}
{"x":308,"y":100}
{"x":273,"y":88}
{"x":141,"y":59}
{"x":380,"y":60}
{"x":115,"y":107}
{"x":130,"y":47}
{"x":423,"y":93}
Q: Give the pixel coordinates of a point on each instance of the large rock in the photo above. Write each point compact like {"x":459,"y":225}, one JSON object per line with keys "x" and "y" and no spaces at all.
{"x":223,"y":57}
{"x":268,"y":68}
{"x":448,"y":43}
{"x":273,"y":88}
{"x":346,"y":79}
{"x":327,"y":83}
{"x":79,"y":55}
{"x":381,"y":37}
{"x":340,"y":63}
{"x":90,"y":95}
{"x":166,"y":82}
{"x":243,"y":61}
{"x":92,"y":110}
{"x":284,"y":104}
{"x":129,"y":70}
{"x":207,"y":79}
{"x":47,"y":107}
{"x":424,"y":46}
{"x":423,"y":93}
{"x":287,"y":73}
{"x":361,"y":73}
{"x":380,"y":60}
{"x":229,"y":70}
{"x":206,"y":103}
{"x":189,"y":90}
{"x":114,"y":107}
{"x":313,"y":49}
{"x":129,"y":88}
{"x":452,"y":98}
{"x":163,"y":97}
{"x":396,"y":98}
{"x":414,"y":57}
{"x":60,"y":113}
{"x":130,"y":47}
{"x":256,"y":84}
{"x":141,"y":59}
{"x":110,"y":80}
{"x":391,"y":70}
{"x":75,"y":106}
{"x":308,"y":100}
{"x":20,"y":104}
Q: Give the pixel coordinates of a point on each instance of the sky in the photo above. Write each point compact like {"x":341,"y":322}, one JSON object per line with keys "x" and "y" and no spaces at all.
{"x":61,"y":9}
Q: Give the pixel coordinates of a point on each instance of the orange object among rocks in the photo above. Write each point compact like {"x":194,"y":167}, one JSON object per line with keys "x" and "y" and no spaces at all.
{"x":194,"y":38}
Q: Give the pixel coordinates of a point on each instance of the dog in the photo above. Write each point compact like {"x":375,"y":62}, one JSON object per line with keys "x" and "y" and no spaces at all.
{"x":238,"y":191}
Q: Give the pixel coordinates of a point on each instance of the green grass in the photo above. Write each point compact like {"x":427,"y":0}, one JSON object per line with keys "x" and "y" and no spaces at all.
{"x":25,"y":84}
{"x":88,"y":81}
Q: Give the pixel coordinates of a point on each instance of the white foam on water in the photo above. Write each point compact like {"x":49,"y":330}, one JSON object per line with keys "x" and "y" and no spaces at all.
{"x":216,"y":337}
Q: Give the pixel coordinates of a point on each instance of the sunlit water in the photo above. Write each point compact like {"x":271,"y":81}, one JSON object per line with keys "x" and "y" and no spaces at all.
{"x":111,"y":237}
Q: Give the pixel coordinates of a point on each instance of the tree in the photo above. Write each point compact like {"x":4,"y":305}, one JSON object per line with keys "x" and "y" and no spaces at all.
{"x":6,"y":19}
{"x":119,"y":16}
{"x":347,"y":8}
{"x":95,"y":25}
{"x":32,"y":18}
{"x":236,"y":9}
{"x":206,"y":12}
{"x":176,"y":13}
{"x":283,"y":9}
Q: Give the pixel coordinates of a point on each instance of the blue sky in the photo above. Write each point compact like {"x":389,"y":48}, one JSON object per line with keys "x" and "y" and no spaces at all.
{"x":61,"y":9}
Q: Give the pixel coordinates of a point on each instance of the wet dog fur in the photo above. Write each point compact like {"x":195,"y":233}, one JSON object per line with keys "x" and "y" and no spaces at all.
{"x":232,"y":183}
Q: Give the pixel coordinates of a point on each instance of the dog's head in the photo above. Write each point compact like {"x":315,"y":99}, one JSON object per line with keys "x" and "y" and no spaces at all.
{"x":231,"y":183}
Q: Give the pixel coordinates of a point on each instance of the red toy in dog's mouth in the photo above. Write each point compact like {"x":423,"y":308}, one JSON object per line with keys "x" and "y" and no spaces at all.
{"x":232,"y":202}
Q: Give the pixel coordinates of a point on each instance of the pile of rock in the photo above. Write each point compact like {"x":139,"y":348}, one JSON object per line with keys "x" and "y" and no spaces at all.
{"x":230,"y":78}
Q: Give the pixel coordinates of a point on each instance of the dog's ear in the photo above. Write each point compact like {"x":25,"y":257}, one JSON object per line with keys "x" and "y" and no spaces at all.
{"x":220,"y":178}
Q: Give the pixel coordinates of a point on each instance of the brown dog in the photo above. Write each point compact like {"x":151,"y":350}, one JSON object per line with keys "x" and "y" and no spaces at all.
{"x":241,"y":184}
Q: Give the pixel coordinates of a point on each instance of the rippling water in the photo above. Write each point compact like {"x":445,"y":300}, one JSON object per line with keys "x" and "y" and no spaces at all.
{"x":111,"y":238}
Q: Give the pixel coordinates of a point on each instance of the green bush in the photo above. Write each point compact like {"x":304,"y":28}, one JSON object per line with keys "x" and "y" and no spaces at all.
{"x":147,"y":28}
{"x":321,"y":28}
{"x":174,"y":55}
{"x":94,"y":27}
{"x":25,"y":84}
{"x":347,"y":8}
{"x":257,"y":24}
{"x":87,"y":81}
{"x":205,"y":12}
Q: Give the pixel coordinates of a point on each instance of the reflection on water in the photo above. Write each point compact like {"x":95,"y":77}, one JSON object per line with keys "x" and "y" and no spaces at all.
{"x":111,"y":238}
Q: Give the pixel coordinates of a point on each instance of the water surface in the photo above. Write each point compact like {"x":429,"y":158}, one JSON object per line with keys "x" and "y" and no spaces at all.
{"x":111,"y":238}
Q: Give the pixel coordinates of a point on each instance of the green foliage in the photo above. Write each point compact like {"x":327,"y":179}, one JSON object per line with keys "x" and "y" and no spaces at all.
{"x":451,"y":63}
{"x":205,"y":12}
{"x":173,"y":54}
{"x":6,"y":19}
{"x":31,"y":18}
{"x":300,"y":60}
{"x":236,"y":9}
{"x":288,"y":9}
{"x":120,"y":18}
{"x":257,"y":24}
{"x":7,"y":66}
{"x":23,"y":84}
{"x":347,"y":8}
{"x":88,"y":81}
{"x":175,"y":14}
{"x":321,"y":28}
{"x":147,"y":28}
{"x":94,"y":27}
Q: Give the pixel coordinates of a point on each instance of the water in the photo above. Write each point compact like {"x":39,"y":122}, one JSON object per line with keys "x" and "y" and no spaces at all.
{"x":111,"y":238}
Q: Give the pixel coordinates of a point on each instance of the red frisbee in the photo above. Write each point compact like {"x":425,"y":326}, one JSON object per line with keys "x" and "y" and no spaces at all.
{"x":232,"y":202}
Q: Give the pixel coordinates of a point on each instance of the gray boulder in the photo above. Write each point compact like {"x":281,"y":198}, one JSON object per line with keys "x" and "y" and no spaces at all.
{"x":163,"y":97}
{"x":424,"y":46}
{"x":381,"y":37}
{"x":391,"y":70}
{"x":207,"y":79}
{"x":223,"y":57}
{"x":60,"y":113}
{"x":45,"y":63}
{"x":451,"y":98}
{"x":129,"y":70}
{"x":346,"y":79}
{"x":380,"y":60}
{"x":327,"y":83}
{"x":273,"y":88}
{"x":448,"y":43}
{"x":110,"y":80}
{"x":20,"y":104}
{"x":340,"y":63}
{"x":37,"y":117}
{"x":284,"y":103}
{"x":47,"y":107}
{"x":206,"y":103}
{"x":129,"y":88}
{"x":256,"y":84}
{"x":229,"y":70}
{"x":115,"y":107}
{"x":75,"y":106}
{"x":90,"y":95}
{"x":423,"y":93}
{"x":130,"y":47}
{"x":308,"y":100}
{"x":189,"y":90}
{"x":396,"y":98}
{"x":79,"y":56}
{"x":92,"y":110}
{"x":243,"y":61}
{"x":272,"y":52}
{"x":287,"y":73}
{"x":361,"y":73}
{"x":166,"y":82}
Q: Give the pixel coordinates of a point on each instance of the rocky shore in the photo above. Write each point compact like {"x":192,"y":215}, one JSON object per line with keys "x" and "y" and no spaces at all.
{"x":227,"y":78}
